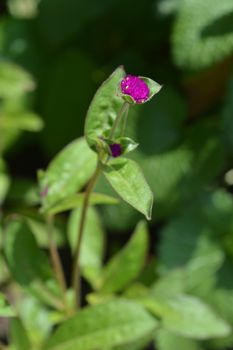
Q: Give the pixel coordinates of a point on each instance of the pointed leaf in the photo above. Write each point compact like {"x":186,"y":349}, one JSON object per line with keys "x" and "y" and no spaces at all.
{"x":68,"y":172}
{"x":102,"y":326}
{"x":103,"y":109}
{"x":188,"y":316}
{"x":127,"y":179}
{"x":125,"y":266}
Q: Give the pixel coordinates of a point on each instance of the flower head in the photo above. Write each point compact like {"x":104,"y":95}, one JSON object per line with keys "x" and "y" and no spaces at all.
{"x":136,"y":88}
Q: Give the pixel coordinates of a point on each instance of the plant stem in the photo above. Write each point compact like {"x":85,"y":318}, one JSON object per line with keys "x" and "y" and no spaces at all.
{"x":123,"y":109}
{"x":125,"y":120}
{"x":76,"y":275}
{"x":76,"y":278}
{"x":55,"y":258}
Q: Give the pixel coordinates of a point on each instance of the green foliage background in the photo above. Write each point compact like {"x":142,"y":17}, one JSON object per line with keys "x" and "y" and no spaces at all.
{"x":54,"y":55}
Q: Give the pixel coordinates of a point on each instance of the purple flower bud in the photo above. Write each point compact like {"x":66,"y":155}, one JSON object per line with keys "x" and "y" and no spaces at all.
{"x":115,"y":150}
{"x":136,"y":88}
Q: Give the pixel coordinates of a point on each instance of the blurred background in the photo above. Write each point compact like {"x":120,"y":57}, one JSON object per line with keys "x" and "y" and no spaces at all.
{"x":54,"y":55}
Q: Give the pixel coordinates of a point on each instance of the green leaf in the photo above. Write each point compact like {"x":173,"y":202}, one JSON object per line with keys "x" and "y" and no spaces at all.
{"x":4,"y":186}
{"x":188,"y":316}
{"x":14,"y":80}
{"x":166,"y":340}
{"x":37,"y":319}
{"x":22,"y":121}
{"x":76,"y":200}
{"x":18,"y":336}
{"x":27,"y":263}
{"x":93,"y":243}
{"x":125,"y":266}
{"x":68,"y":172}
{"x":102,"y":326}
{"x":203,"y":33}
{"x":5,"y":308}
{"x":128,"y":181}
{"x":103,"y":109}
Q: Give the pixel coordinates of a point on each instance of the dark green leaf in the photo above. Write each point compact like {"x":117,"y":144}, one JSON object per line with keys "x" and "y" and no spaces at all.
{"x":127,"y":179}
{"x":27,"y":263}
{"x":102,"y":326}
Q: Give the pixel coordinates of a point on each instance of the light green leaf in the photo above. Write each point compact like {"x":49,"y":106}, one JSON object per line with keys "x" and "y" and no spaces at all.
{"x":93,"y":243}
{"x":5,"y":308}
{"x":154,"y":87}
{"x":68,"y":172}
{"x":18,"y":336}
{"x":102,"y":326}
{"x":22,"y":121}
{"x":28,"y":264}
{"x":76,"y":200}
{"x":103,"y":109}
{"x":14,"y":80}
{"x":166,"y":340}
{"x":125,"y":266}
{"x":202,"y":35}
{"x":128,"y":181}
{"x":188,"y":316}
{"x":37,"y":319}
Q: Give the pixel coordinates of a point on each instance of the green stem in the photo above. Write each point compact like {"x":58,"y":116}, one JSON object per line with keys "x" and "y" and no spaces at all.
{"x":76,"y":275}
{"x":55,"y":258}
{"x":125,"y":120}
{"x":123,"y":109}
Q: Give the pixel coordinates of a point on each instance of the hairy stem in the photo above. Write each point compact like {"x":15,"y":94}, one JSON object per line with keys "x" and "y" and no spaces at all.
{"x":76,"y":276}
{"x":55,"y":258}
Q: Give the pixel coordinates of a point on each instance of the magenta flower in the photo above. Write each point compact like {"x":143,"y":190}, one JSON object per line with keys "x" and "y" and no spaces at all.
{"x":115,"y":150}
{"x":136,"y":88}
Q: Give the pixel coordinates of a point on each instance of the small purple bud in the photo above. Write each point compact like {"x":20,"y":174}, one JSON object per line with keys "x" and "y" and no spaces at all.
{"x":115,"y":150}
{"x":136,"y":88}
{"x":44,"y":192}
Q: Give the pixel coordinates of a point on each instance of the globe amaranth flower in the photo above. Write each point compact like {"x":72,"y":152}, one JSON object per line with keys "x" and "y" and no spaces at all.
{"x":136,"y":88}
